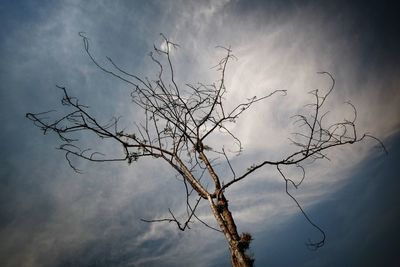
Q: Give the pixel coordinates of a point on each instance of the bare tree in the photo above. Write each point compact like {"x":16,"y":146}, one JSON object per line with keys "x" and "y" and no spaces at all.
{"x":177,"y":123}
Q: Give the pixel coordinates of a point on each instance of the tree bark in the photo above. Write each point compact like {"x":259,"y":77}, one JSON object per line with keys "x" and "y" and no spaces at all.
{"x":228,"y":227}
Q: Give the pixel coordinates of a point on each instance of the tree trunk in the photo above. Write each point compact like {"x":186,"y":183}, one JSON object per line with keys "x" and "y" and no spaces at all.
{"x":228,"y":227}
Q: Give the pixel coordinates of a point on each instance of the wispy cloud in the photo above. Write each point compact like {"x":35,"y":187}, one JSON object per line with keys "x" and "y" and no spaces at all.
{"x":62,"y":218}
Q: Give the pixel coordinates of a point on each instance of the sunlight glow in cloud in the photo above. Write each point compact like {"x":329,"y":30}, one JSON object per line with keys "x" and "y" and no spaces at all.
{"x":98,"y":213}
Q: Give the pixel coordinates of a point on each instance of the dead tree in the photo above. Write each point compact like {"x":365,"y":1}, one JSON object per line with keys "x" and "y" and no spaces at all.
{"x":178,"y":121}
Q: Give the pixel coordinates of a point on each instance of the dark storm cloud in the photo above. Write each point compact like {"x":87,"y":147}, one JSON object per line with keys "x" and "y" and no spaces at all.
{"x":360,"y":221}
{"x":370,"y":26}
{"x":49,"y":216}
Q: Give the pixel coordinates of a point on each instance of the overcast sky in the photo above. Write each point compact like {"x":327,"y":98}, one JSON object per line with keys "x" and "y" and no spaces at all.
{"x":52,"y":216}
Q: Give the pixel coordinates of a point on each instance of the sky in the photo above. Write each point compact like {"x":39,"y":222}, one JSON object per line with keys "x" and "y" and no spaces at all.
{"x":52,"y":216}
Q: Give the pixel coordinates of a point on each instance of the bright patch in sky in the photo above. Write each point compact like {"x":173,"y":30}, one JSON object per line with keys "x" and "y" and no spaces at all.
{"x":51,"y":216}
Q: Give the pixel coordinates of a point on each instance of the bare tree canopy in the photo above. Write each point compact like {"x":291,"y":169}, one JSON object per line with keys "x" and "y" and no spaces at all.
{"x":178,"y":122}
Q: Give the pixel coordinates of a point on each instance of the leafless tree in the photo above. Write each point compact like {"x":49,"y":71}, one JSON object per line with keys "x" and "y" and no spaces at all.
{"x":178,"y":121}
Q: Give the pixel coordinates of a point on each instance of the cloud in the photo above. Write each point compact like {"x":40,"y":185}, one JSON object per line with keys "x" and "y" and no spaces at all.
{"x":95,"y":216}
